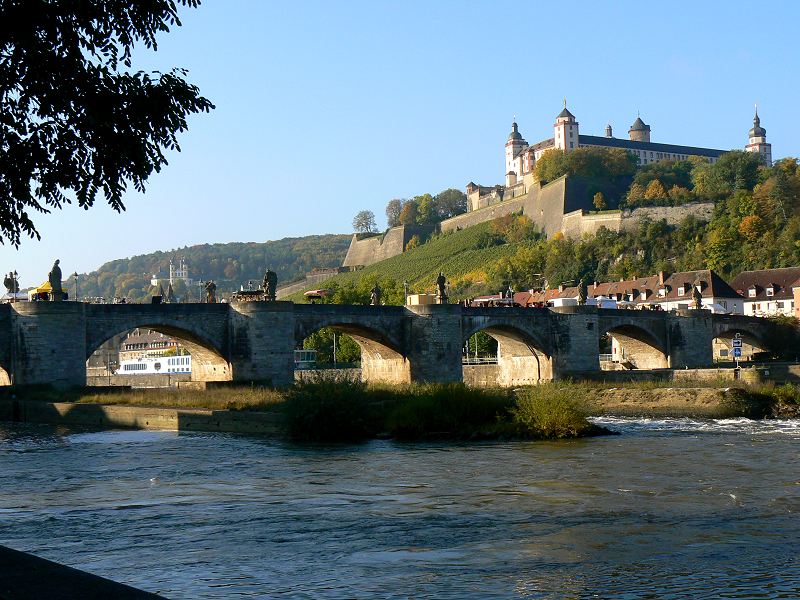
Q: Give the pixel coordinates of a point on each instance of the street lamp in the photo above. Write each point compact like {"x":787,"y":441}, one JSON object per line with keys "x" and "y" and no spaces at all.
{"x":15,"y":287}
{"x":75,"y":275}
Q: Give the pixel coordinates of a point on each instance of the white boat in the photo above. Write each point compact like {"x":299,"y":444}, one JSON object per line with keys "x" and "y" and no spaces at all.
{"x":153,"y":366}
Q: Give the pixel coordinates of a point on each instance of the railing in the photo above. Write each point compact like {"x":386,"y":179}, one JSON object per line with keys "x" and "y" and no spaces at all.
{"x":478,"y":360}
{"x":606,"y":358}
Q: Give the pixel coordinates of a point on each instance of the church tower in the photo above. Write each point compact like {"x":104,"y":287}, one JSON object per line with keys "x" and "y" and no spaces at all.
{"x":565,"y":134}
{"x":757,"y":141}
{"x":514,"y":147}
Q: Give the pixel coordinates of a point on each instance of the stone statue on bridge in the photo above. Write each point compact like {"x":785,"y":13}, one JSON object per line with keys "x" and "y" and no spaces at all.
{"x":270,"y":284}
{"x":697,"y":298}
{"x":11,"y":283}
{"x":441,"y":291}
{"x":54,"y":277}
{"x":583,"y":293}
{"x":375,"y":295}
{"x":211,"y":292}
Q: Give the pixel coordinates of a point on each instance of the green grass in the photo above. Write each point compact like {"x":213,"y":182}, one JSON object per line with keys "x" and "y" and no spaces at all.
{"x":455,"y":254}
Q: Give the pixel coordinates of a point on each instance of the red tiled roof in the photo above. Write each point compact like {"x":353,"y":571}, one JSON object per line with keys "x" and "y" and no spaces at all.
{"x":782,"y":281}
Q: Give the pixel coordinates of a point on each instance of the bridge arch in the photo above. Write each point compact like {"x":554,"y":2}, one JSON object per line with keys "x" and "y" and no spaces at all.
{"x":382,"y":358}
{"x":753,"y":342}
{"x":208,"y":359}
{"x":636,"y":346}
{"x":521,"y":355}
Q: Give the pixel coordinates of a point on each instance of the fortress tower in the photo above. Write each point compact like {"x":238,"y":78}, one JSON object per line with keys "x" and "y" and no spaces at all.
{"x":565,"y":133}
{"x":639,"y":131}
{"x":757,"y":141}
{"x":514,"y":146}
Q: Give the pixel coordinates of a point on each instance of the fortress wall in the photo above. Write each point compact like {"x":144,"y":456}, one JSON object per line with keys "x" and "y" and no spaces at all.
{"x":703,"y":211}
{"x":373,"y":249}
{"x":576,"y":223}
{"x":545,"y":206}
{"x":489,"y":213}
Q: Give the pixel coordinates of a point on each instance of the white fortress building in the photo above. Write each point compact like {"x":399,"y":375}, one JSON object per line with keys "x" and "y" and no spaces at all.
{"x":521,"y":157}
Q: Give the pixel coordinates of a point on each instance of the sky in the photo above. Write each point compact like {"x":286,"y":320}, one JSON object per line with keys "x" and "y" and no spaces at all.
{"x":324,"y":109}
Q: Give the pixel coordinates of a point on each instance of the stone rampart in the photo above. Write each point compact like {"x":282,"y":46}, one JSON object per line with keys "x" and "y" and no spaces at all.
{"x":366,"y":251}
{"x":702,"y":211}
{"x":489,"y":213}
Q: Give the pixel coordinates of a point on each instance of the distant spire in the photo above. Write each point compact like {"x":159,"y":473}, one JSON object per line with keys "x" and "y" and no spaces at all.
{"x":565,"y":103}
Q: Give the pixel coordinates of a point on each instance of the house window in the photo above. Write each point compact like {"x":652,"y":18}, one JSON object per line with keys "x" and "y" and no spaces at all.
{"x":662,"y":293}
{"x":770,"y":291}
{"x":751,"y":293}
{"x":643,"y":296}
{"x":681,"y":290}
{"x":779,"y":305}
{"x":723,"y":304}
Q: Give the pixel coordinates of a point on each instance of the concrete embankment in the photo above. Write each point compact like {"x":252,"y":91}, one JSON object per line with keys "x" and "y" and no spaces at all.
{"x":138,"y":417}
{"x":27,"y":577}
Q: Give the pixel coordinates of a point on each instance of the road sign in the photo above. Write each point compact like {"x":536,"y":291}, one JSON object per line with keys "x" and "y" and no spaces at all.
{"x":737,"y":342}
{"x":737,"y":353}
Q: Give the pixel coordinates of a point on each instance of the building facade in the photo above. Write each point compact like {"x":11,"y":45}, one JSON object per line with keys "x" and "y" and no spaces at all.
{"x":769,"y":292}
{"x":521,"y":157}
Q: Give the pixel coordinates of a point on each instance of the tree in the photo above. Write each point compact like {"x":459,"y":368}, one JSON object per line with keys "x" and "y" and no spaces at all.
{"x":393,"y":209}
{"x":551,"y":165}
{"x":752,"y":228}
{"x":408,"y":215}
{"x":451,"y":202}
{"x":427,"y":213}
{"x":364,"y":222}
{"x":75,"y":122}
{"x":600,"y":201}
{"x":655,"y":191}
{"x":635,"y":193}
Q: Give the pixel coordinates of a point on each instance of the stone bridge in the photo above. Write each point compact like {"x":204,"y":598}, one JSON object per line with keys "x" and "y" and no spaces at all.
{"x":49,"y":342}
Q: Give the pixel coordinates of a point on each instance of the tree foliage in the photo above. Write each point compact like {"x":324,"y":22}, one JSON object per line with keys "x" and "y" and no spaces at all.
{"x":593,"y":163}
{"x":393,"y":210}
{"x":364,"y":222}
{"x":75,"y":123}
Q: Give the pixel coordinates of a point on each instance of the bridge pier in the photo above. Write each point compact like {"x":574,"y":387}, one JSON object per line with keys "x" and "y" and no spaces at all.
{"x":576,"y":340}
{"x":49,"y":344}
{"x":434,"y":343}
{"x":690,"y":340}
{"x":261,"y":342}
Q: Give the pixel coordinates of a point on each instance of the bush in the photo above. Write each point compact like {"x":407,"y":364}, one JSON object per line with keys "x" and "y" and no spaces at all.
{"x":550,"y":411}
{"x":452,"y":409}
{"x":329,"y":411}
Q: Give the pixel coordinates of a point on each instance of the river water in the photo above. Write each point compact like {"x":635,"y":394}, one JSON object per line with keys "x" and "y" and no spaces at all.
{"x":668,"y":509}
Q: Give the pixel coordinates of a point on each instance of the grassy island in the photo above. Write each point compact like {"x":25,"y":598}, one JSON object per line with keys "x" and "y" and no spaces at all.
{"x":328,"y":410}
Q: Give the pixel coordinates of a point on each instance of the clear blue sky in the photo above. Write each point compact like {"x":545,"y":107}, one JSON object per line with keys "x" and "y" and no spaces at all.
{"x":324,"y":109}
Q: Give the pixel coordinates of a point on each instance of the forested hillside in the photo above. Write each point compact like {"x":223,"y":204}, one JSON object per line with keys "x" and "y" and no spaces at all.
{"x":756,"y":225}
{"x":229,"y":265}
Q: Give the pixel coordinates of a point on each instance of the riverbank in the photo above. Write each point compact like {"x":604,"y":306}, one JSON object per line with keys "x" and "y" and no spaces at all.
{"x":24,"y":576}
{"x":349,"y":411}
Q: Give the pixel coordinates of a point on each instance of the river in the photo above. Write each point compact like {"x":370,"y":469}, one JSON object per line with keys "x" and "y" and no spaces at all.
{"x":670,"y":508}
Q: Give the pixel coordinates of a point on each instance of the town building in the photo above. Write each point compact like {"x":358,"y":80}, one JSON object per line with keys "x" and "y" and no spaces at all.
{"x":769,"y":291}
{"x":143,"y":343}
{"x":661,"y":291}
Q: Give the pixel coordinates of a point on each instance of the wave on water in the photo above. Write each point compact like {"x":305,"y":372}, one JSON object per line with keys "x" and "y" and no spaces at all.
{"x":789,"y":427}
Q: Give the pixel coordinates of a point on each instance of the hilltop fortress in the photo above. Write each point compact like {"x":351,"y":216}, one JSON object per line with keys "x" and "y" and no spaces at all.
{"x":564,"y":205}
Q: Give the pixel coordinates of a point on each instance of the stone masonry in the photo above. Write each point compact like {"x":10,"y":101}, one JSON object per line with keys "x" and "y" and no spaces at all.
{"x":50,"y":342}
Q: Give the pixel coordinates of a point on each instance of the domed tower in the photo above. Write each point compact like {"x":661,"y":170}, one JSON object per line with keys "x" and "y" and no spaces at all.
{"x":514,"y":147}
{"x":565,"y":131}
{"x":609,"y":134}
{"x":757,"y":141}
{"x":639,"y":131}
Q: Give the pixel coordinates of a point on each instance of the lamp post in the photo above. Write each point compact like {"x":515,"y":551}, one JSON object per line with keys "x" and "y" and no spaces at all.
{"x":405,"y":289}
{"x":77,"y":296}
{"x":16,"y":286}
